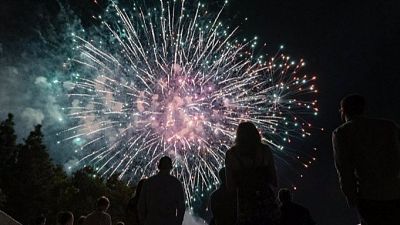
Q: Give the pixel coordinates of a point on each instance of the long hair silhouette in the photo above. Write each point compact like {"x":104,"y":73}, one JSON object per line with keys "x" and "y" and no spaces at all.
{"x":247,"y":138}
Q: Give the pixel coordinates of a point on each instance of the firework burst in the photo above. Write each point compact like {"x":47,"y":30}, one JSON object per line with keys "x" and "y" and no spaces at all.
{"x":177,"y":82}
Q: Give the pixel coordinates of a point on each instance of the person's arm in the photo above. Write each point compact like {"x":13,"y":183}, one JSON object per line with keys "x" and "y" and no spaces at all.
{"x":180,"y":209}
{"x":141,"y":207}
{"x":212,"y":205}
{"x":230,"y":181}
{"x":272,"y":170}
{"x":345,"y":167}
{"x":309,"y":219}
{"x":108,"y":220}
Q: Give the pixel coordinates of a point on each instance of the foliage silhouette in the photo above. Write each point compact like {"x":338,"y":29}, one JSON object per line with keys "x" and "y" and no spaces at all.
{"x":31,"y":184}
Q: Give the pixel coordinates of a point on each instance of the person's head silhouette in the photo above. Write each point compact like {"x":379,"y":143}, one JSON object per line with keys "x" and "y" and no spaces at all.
{"x":351,"y":106}
{"x":247,"y":137}
{"x":102,"y":204}
{"x":81,"y":220}
{"x":165,"y":164}
{"x":65,"y":218}
{"x":284,"y":196}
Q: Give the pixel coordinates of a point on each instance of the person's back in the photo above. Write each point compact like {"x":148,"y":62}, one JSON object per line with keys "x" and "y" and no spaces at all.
{"x":293,"y":213}
{"x":367,"y":159}
{"x":252,"y":169}
{"x":65,"y":218}
{"x":81,"y":220}
{"x":250,"y":172}
{"x":99,"y":216}
{"x":161,"y":201}
{"x":375,"y":146}
{"x":223,"y":204}
{"x":132,"y":217}
{"x":161,"y":193}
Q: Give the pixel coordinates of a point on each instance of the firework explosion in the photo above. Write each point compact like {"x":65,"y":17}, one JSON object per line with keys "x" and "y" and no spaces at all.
{"x":173,"y":81}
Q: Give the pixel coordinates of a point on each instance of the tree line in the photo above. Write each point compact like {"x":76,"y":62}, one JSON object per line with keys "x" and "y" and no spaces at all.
{"x":31,"y":184}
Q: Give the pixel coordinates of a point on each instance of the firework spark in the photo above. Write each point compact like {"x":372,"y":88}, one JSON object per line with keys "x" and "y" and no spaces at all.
{"x":173,"y":81}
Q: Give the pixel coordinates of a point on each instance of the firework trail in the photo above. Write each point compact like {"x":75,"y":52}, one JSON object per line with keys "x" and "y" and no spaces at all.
{"x":174,"y":81}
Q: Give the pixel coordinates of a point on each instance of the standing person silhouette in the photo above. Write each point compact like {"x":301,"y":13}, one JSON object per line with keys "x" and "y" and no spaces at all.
{"x":223,"y":203}
{"x":367,"y":158}
{"x":291,"y":212}
{"x":250,"y":173}
{"x":99,"y":216}
{"x":65,"y":218}
{"x":162,"y":201}
{"x":132,"y":213}
{"x":81,"y":220}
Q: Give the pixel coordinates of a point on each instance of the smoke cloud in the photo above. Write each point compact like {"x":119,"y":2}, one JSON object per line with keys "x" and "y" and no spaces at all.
{"x":32,"y":117}
{"x":190,"y":219}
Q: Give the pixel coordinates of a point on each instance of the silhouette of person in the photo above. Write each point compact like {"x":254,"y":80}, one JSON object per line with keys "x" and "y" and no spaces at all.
{"x":250,"y":172}
{"x":293,"y":213}
{"x":65,"y":218}
{"x":99,"y":216}
{"x":81,"y":220}
{"x":367,"y":158}
{"x":162,"y":200}
{"x":223,"y":204}
{"x":132,"y":215}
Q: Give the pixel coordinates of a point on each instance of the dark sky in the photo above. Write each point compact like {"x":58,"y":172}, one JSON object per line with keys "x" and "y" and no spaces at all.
{"x":352,"y":46}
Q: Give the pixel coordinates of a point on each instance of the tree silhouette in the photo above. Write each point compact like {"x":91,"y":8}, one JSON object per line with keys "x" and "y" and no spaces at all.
{"x":35,"y":171}
{"x":8,"y":155}
{"x":8,"y":148}
{"x":119,"y":193}
{"x":30,"y":183}
{"x":87,"y":188}
{"x":2,"y":198}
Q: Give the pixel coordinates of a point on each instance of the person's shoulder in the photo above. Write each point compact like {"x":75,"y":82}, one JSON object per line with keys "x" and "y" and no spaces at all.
{"x":91,"y":214}
{"x":90,"y":217}
{"x":379,"y":124}
{"x":231,"y":151}
{"x":99,"y":215}
{"x":174,"y":179}
{"x":217,"y":192}
{"x":297,"y":208}
{"x":215,"y":196}
{"x":384,"y":122}
{"x":106,"y":215}
{"x":342,"y":128}
{"x":265,"y":149}
{"x":300,"y":207}
{"x":151,"y":179}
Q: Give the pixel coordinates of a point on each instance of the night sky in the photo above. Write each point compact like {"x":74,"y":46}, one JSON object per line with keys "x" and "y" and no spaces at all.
{"x":352,"y":46}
